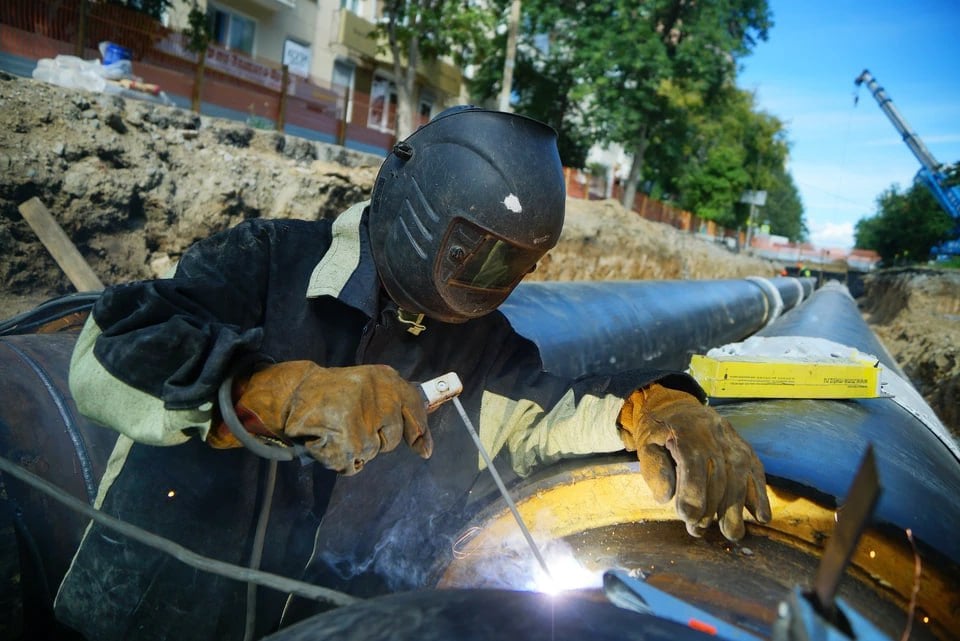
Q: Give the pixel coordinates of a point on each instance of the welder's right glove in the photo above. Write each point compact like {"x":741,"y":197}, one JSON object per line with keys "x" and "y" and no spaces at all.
{"x":345,"y":415}
{"x":688,"y":450}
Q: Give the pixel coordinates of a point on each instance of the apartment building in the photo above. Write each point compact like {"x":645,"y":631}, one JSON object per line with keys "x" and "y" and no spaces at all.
{"x":327,"y":42}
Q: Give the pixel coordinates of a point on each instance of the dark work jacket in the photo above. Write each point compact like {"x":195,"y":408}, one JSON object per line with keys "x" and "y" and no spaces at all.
{"x":390,"y":527}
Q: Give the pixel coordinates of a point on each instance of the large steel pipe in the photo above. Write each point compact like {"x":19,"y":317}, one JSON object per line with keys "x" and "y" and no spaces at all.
{"x":587,"y":327}
{"x":814,"y":442}
{"x":41,"y":431}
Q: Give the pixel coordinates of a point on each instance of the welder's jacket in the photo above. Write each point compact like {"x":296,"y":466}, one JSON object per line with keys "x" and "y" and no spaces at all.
{"x":150,"y":361}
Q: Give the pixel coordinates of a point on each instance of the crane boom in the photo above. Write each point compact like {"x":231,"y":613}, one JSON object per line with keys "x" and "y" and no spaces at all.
{"x":886,"y":105}
{"x":930,"y":172}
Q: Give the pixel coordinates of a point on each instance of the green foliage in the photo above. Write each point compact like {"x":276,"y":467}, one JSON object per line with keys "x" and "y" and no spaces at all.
{"x":636,"y":74}
{"x":430,"y":29}
{"x":906,"y":226}
{"x":784,"y":209}
{"x":651,"y":67}
{"x":416,"y":31}
{"x":597,"y":170}
{"x":715,"y":184}
{"x":198,"y":32}
{"x":730,"y":148}
{"x":544,"y":76}
{"x":152,"y":8}
{"x":656,"y":78}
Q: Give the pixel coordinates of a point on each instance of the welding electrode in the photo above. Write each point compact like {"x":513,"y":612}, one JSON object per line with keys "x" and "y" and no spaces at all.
{"x":447,"y":387}
{"x":502,"y":487}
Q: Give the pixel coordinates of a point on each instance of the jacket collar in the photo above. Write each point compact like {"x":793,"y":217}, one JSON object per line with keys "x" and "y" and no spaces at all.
{"x":347,"y":271}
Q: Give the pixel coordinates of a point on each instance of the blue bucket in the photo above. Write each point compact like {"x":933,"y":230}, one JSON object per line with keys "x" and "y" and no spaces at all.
{"x":114,"y":53}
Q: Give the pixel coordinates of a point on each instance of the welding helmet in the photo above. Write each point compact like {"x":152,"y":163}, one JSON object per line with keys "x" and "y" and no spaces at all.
{"x":464,"y":208}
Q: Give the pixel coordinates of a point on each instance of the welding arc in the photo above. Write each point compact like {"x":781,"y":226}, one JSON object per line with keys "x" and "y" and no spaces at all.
{"x":502,"y":487}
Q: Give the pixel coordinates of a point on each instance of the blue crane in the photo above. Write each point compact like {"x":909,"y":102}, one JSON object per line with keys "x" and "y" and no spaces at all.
{"x":930,"y":174}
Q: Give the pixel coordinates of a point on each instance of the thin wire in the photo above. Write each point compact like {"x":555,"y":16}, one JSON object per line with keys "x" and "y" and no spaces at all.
{"x":182,"y":554}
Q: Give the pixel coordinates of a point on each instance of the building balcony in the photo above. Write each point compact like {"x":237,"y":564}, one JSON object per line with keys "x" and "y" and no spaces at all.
{"x":354,"y":34}
{"x":274,"y":5}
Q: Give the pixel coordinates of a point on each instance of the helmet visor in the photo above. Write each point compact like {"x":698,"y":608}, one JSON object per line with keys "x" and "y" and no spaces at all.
{"x":477,"y":269}
{"x":494,"y":264}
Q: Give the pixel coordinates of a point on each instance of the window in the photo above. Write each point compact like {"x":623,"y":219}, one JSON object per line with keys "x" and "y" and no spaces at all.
{"x":353,"y":6}
{"x":232,"y":31}
{"x":343,"y":73}
{"x":425,"y":110}
{"x":383,"y":105}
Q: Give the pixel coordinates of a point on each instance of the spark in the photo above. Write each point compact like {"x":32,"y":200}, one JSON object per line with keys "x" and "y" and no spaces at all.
{"x":567,"y":574}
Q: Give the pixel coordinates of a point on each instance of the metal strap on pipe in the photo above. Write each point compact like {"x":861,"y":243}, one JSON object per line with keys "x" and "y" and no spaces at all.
{"x":773,"y":294}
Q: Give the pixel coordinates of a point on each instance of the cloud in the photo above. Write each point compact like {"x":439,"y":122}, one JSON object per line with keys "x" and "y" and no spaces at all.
{"x":832,"y":235}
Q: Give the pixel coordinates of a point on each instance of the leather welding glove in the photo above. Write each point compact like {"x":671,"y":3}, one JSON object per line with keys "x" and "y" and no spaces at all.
{"x":345,"y":415}
{"x":688,"y":450}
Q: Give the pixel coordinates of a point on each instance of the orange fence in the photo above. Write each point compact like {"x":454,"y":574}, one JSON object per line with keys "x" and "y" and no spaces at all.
{"x":579,"y":185}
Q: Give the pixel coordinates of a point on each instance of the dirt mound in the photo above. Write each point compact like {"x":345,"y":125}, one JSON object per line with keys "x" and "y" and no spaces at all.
{"x":916,"y":313}
{"x":134,"y":183}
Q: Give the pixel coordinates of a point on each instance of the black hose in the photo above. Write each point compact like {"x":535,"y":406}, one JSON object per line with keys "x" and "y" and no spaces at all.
{"x":267,"y":450}
{"x":29,"y":321}
{"x":257,"y":554}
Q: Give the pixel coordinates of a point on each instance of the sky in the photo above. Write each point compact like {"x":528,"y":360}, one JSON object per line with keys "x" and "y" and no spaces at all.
{"x":843,"y":156}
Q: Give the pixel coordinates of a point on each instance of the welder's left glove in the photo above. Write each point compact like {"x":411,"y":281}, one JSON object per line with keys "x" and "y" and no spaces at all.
{"x":688,"y":450}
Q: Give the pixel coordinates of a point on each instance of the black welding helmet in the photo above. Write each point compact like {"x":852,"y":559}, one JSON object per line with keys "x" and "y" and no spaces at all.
{"x":464,"y":208}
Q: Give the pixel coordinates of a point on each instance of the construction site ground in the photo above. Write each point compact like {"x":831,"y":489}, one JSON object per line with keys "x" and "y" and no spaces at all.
{"x":134,"y":183}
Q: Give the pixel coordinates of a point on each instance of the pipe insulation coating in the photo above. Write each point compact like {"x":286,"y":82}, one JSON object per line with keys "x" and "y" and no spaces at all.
{"x":812,"y":442}
{"x":603,"y":327}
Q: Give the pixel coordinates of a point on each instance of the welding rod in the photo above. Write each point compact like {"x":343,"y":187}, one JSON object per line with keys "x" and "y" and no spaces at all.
{"x":502,"y":487}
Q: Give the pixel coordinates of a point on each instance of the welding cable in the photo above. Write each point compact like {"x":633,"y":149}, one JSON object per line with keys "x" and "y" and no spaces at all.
{"x":182,"y":554}
{"x":29,"y":321}
{"x":257,"y":554}
{"x":286,"y":451}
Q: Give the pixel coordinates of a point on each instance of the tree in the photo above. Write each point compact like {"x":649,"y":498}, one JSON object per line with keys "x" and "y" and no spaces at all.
{"x":422,"y":31}
{"x":906,"y":226}
{"x":607,"y":71}
{"x":544,"y":75}
{"x":199,"y":33}
{"x":731,"y":148}
{"x":649,"y":69}
{"x":784,"y":209}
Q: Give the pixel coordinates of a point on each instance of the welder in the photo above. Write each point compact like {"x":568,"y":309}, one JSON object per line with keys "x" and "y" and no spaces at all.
{"x":324,"y":327}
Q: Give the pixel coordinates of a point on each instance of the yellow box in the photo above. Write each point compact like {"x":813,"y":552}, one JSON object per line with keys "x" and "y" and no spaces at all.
{"x":747,"y":377}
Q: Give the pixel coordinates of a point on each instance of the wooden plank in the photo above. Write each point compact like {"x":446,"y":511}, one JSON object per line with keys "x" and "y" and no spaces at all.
{"x":60,"y":246}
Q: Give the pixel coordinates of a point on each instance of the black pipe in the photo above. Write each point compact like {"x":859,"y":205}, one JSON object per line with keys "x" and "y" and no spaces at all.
{"x":604,"y":327}
{"x":41,"y":431}
{"x":815,"y":442}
